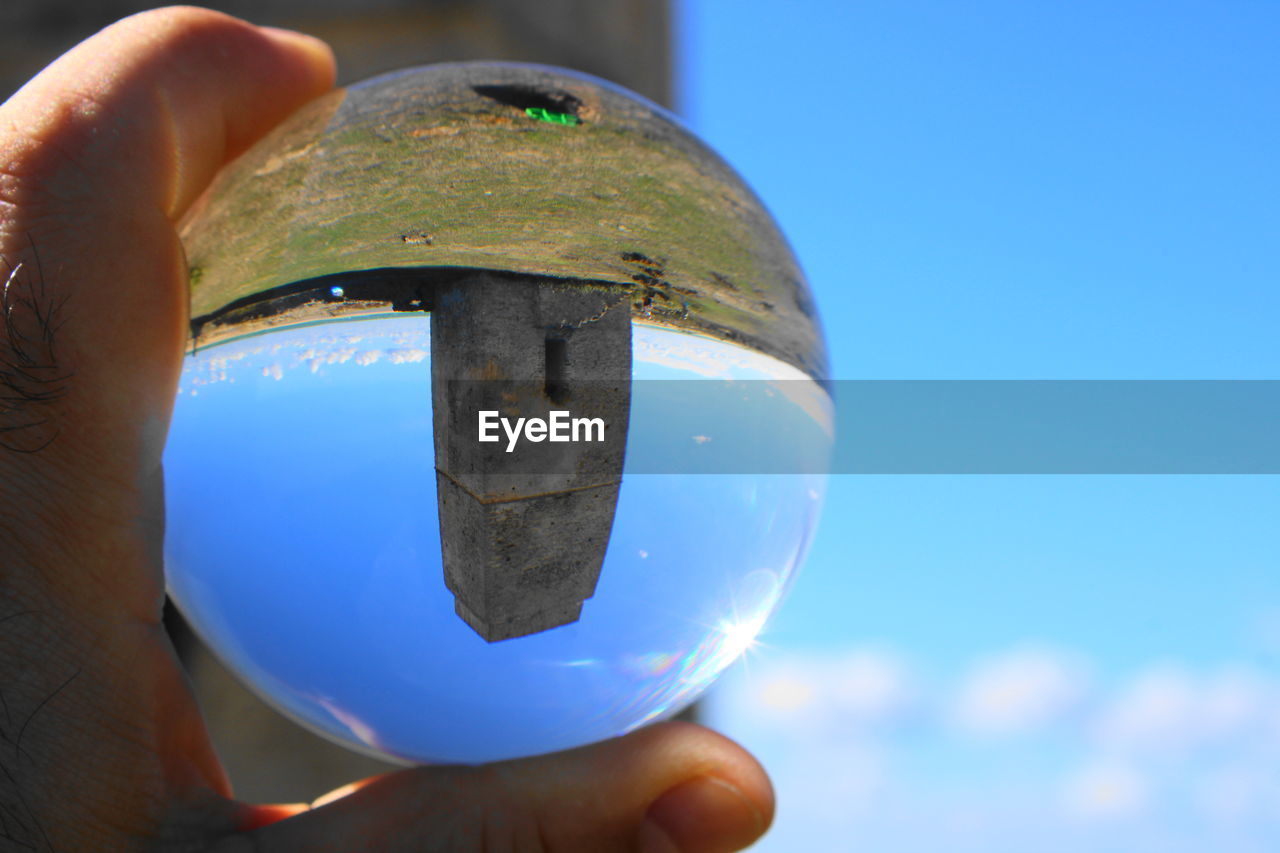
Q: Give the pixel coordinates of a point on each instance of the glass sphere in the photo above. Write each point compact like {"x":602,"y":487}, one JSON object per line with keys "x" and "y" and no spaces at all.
{"x":304,"y":540}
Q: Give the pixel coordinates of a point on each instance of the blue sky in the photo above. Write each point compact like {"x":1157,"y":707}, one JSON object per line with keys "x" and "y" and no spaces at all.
{"x":1004,"y":190}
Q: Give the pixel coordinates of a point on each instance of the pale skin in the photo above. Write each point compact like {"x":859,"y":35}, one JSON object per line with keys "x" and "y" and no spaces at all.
{"x":102,"y":746}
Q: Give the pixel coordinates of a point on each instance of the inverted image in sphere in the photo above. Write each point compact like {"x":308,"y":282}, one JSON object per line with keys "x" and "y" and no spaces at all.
{"x":504,"y":428}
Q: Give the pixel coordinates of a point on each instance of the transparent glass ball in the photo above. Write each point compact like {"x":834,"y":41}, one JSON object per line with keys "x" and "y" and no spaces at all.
{"x":304,"y":545}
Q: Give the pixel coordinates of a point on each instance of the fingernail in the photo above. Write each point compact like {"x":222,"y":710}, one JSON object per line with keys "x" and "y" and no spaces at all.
{"x":704,"y":815}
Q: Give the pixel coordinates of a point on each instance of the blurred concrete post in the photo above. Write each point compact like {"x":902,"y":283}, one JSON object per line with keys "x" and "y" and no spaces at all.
{"x":626,"y":41}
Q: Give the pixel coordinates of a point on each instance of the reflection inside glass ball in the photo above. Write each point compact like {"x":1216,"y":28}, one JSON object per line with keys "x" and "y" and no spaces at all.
{"x":304,"y":547}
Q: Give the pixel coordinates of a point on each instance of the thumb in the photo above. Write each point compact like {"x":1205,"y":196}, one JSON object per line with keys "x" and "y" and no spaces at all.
{"x":670,"y":788}
{"x":100,"y":154}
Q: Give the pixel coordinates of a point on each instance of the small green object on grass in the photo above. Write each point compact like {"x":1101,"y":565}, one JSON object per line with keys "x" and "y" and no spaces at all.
{"x":546,"y":115}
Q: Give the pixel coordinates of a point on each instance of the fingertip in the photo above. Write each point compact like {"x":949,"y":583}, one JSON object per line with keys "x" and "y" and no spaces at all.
{"x":693,"y":789}
{"x":710,"y":758}
{"x":173,"y":92}
{"x":702,"y":815}
{"x":673,"y":786}
{"x":315,"y":52}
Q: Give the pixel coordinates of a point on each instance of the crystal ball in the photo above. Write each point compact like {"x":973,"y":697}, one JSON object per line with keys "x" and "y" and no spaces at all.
{"x":341,"y":533}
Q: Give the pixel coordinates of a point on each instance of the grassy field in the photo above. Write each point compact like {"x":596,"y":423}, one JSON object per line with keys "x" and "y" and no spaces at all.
{"x":423,"y":170}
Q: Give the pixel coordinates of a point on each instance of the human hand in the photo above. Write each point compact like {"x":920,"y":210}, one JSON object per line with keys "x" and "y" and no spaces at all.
{"x":102,"y":746}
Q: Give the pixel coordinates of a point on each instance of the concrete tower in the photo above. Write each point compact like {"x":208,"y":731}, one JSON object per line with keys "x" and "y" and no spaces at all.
{"x":524,"y":532}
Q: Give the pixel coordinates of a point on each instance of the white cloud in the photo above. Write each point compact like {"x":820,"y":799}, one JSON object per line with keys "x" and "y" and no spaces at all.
{"x":1168,"y":709}
{"x":1019,"y":692}
{"x":818,"y":722}
{"x":861,"y":747}
{"x":870,"y":686}
{"x":1156,"y":710}
{"x":787,"y":693}
{"x":1105,"y":791}
{"x":1235,"y":793}
{"x":1238,"y":701}
{"x":828,"y":696}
